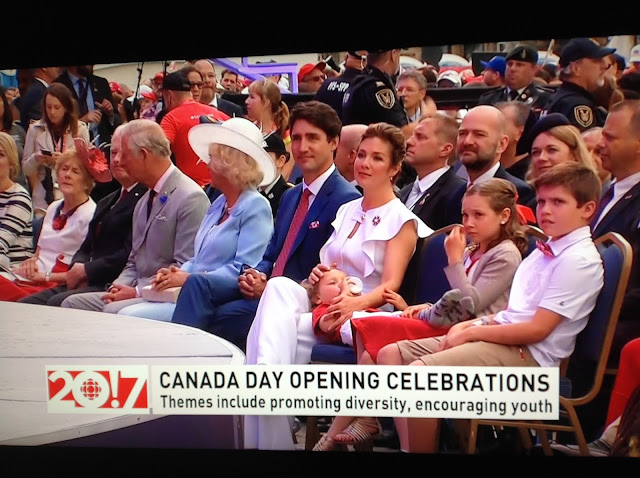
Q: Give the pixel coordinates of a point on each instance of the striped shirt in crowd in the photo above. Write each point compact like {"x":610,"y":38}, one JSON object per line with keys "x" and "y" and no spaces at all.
{"x":16,"y":233}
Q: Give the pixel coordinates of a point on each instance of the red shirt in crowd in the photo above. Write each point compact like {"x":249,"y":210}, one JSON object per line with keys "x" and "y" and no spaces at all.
{"x":176,"y":125}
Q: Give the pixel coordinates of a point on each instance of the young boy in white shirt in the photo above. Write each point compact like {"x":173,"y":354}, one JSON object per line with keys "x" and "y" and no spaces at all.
{"x":553,"y":292}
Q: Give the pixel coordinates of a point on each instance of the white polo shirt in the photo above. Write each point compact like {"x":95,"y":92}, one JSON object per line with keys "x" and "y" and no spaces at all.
{"x":567,"y":284}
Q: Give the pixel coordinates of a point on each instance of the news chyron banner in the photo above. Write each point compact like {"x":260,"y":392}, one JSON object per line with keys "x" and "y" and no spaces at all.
{"x":324,"y":390}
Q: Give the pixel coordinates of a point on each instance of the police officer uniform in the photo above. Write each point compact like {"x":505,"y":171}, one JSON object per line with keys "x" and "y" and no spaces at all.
{"x":372,"y":98}
{"x":577,"y":104}
{"x":572,"y":100}
{"x":532,"y":95}
{"x":333,"y":89}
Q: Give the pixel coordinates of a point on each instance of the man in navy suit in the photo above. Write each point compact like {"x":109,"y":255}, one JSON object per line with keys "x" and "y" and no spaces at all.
{"x":97,"y":108}
{"x":434,"y":195}
{"x":31,"y":110}
{"x":618,"y":211}
{"x":315,"y":129}
{"x":482,"y":139}
{"x":105,"y":250}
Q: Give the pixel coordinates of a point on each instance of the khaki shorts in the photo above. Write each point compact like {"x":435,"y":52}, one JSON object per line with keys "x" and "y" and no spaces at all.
{"x":469,"y":354}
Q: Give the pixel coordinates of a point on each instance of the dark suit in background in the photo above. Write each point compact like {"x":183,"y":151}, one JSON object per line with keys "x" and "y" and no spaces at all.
{"x":229,"y":108}
{"x":100,"y":90}
{"x":104,"y":251}
{"x":275,"y":194}
{"x":622,"y":218}
{"x":439,"y":206}
{"x":31,"y":109}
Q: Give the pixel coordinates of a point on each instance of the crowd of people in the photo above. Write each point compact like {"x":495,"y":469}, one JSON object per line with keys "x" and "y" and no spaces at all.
{"x":276,"y":228}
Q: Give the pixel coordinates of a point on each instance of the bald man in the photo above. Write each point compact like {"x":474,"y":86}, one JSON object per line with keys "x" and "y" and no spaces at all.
{"x":482,"y":138}
{"x":350,"y":136}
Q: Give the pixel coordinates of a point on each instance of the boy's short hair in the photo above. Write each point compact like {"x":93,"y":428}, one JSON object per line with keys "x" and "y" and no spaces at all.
{"x":581,"y":181}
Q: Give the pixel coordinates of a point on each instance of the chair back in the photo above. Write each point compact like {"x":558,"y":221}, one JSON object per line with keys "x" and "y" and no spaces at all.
{"x":432,"y":281}
{"x":36,"y":224}
{"x":533,"y":236}
{"x":593,"y":344}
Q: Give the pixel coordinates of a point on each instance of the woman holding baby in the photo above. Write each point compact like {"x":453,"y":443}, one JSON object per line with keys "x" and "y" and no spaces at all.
{"x":374,"y":237}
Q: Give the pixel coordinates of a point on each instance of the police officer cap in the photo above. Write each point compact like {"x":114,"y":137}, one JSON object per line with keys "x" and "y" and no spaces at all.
{"x":545,"y":124}
{"x":579,"y":48}
{"x":524,"y":53}
{"x":382,"y":50}
{"x":275,"y":144}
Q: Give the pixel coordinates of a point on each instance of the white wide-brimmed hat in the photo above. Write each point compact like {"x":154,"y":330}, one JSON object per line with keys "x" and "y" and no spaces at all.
{"x":238,"y":133}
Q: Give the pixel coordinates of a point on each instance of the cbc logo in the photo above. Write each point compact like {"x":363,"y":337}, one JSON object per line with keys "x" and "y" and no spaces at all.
{"x":99,"y":389}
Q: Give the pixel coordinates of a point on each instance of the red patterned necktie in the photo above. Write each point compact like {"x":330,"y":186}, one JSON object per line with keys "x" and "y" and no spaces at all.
{"x":298,"y":218}
{"x":545,"y":249}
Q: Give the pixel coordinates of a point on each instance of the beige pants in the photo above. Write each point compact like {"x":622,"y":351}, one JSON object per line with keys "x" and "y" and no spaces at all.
{"x":469,"y":354}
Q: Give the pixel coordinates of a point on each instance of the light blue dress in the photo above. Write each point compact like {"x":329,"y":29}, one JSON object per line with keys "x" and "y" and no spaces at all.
{"x":221,"y":249}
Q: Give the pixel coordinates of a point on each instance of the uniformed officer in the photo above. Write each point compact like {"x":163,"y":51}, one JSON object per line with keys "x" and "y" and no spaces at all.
{"x":333,"y":89}
{"x":521,"y":69}
{"x":274,"y":145}
{"x":371,"y":97}
{"x":582,"y":72}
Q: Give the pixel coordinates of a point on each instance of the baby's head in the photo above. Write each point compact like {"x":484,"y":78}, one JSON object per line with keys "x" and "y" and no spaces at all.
{"x":328,"y":287}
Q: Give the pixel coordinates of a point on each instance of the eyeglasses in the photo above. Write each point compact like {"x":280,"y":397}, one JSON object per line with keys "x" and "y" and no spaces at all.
{"x":197,"y":84}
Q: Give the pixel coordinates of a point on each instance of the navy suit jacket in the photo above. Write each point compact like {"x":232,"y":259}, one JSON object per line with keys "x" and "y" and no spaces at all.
{"x":315,"y":230}
{"x":441,"y":204}
{"x":229,"y":108}
{"x":526,"y":193}
{"x":31,"y":109}
{"x":106,"y":248}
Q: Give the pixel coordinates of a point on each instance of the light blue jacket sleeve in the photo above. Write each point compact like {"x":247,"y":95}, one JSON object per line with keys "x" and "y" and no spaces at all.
{"x":254,"y":230}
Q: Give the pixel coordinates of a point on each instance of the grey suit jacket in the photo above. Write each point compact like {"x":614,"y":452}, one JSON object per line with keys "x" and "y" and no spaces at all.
{"x":489,"y":282}
{"x":167,"y":238}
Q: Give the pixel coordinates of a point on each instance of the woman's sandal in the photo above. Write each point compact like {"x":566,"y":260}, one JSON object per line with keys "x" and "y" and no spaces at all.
{"x":359,"y":430}
{"x":326,"y":443}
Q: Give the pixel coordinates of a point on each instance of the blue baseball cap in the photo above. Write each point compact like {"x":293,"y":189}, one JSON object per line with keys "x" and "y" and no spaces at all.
{"x":497,"y":63}
{"x":579,"y":48}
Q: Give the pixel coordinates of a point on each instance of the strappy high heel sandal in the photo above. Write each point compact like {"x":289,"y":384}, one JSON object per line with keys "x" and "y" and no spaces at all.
{"x":326,"y":443}
{"x":359,"y":430}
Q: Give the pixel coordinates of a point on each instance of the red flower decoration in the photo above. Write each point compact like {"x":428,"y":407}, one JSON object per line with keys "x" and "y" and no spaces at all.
{"x":94,"y":160}
{"x":59,"y":222}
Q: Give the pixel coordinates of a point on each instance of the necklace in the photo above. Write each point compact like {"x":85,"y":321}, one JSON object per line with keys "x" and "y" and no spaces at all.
{"x":60,"y":218}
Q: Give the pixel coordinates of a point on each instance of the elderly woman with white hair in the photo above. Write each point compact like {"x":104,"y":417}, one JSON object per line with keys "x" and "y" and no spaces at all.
{"x":236,"y":228}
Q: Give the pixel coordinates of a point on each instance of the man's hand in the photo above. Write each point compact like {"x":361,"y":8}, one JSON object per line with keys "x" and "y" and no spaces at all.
{"x":119,"y":292}
{"x":92,"y":117}
{"x":107,"y":107}
{"x":75,"y":276}
{"x":457,"y":335}
{"x":252,"y":283}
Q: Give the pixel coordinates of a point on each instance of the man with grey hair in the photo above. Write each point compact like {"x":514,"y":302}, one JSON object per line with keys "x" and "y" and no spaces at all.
{"x":106,"y":247}
{"x":482,"y":138}
{"x":516,"y":158}
{"x":165,"y":220}
{"x":411,"y":86}
{"x":582,"y":73}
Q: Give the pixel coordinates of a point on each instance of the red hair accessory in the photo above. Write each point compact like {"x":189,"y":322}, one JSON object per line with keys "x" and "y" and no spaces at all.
{"x":525,"y":214}
{"x":94,"y":160}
